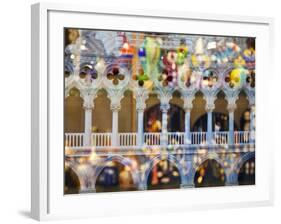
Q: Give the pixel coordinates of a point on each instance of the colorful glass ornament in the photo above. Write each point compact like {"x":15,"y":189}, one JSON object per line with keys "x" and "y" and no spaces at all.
{"x":127,"y":50}
{"x":170,"y":59}
{"x":181,"y":53}
{"x":141,"y":52}
{"x":169,"y":74}
{"x":237,"y":76}
{"x":209,"y":78}
{"x":249,"y":53}
{"x":186,"y":75}
{"x":126,"y":53}
{"x":199,"y":58}
{"x":168,"y":78}
{"x":152,"y":56}
{"x":249,"y":57}
{"x":222,"y":52}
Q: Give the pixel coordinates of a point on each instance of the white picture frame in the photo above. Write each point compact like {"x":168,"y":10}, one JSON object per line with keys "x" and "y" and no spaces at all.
{"x":48,"y":200}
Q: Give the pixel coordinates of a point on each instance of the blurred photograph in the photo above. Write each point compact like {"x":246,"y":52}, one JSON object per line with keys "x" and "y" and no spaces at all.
{"x":157,"y":111}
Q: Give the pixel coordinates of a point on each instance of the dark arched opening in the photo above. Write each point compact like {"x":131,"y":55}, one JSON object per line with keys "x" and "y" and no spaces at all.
{"x":245,"y":120}
{"x":71,"y":182}
{"x":115,"y":177}
{"x":220,"y":122}
{"x":153,"y":115}
{"x":242,"y":112}
{"x":246,"y":175}
{"x":164,"y":175}
{"x":209,"y":174}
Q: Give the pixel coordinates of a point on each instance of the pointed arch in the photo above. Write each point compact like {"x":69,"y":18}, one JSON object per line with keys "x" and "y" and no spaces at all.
{"x":156,"y":160}
{"x":237,"y":166}
{"x":198,"y":109}
{"x":73,"y":112}
{"x":210,"y":173}
{"x":209,"y":156}
{"x":83,"y":174}
{"x":115,"y":158}
{"x":242,"y":106}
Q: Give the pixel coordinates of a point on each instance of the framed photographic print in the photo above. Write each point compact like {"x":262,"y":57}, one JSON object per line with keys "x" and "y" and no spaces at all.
{"x":156,"y":111}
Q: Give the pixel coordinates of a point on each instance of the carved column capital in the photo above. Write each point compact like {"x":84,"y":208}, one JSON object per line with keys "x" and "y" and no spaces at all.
{"x":165,"y":98}
{"x":231,"y":106}
{"x":88,"y":99}
{"x":141,"y":96}
{"x":88,"y":105}
{"x":251,"y":97}
{"x":115,"y":107}
{"x":115,"y":97}
{"x":164,"y":107}
{"x":210,"y":102}
{"x":187,"y":102}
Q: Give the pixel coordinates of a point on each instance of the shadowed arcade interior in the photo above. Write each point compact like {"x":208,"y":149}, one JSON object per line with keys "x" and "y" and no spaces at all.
{"x":164,"y":175}
{"x":209,"y":174}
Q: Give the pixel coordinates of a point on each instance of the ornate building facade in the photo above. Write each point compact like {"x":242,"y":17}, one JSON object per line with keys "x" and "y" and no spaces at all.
{"x":156,"y":111}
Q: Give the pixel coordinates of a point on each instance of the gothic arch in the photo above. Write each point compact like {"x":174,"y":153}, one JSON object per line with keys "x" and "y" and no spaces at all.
{"x":74,"y":114}
{"x":237,"y":166}
{"x":250,"y":95}
{"x":81,"y":175}
{"x":72,"y":83}
{"x":203,"y":120}
{"x":155,"y":160}
{"x":198,"y":107}
{"x":209,"y":156}
{"x":116,"y":158}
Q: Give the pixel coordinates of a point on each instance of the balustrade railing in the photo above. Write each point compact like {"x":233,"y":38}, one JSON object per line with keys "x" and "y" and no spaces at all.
{"x":74,"y":139}
{"x":176,"y":138}
{"x":220,"y":138}
{"x":127,"y":139}
{"x":154,"y":138}
{"x":241,"y":137}
{"x":198,"y":138}
{"x":101,"y":139}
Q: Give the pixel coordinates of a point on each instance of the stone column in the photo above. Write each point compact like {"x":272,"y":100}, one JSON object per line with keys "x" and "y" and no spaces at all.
{"x":141,"y":97}
{"x":231,"y":178}
{"x":164,"y":137}
{"x":88,"y":126}
{"x":251,"y":99}
{"x":165,"y":98}
{"x":115,"y":105}
{"x":252,"y":123}
{"x":187,"y":126}
{"x":142,"y":186}
{"x":209,"y":127}
{"x":210,"y":106}
{"x":88,"y":106}
{"x":140,"y":127}
{"x":115,"y":140}
{"x":187,"y":99}
{"x":231,"y":108}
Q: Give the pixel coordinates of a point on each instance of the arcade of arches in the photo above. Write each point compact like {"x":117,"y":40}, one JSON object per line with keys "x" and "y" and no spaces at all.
{"x":115,"y":177}
{"x":148,"y":111}
{"x":127,"y":119}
